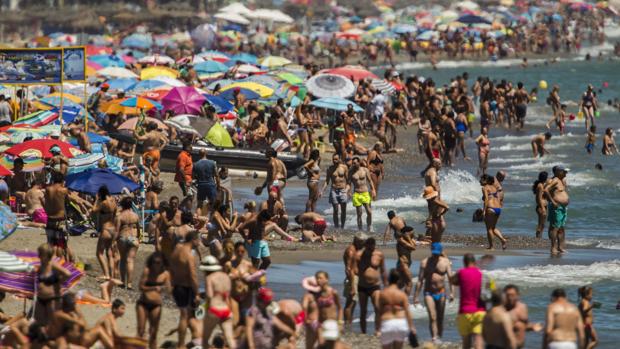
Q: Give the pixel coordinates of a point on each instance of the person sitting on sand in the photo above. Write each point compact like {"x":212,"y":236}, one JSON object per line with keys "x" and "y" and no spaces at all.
{"x":312,"y":226}
{"x":276,"y":208}
{"x":538,"y":144}
{"x":108,"y":321}
{"x":35,"y":201}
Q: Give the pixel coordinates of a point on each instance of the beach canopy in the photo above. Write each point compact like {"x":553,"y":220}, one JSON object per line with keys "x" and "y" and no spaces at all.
{"x":183,"y":100}
{"x":219,"y":136}
{"x":334,"y":103}
{"x":330,"y":85}
{"x":89,"y":182}
{"x":40,"y":148}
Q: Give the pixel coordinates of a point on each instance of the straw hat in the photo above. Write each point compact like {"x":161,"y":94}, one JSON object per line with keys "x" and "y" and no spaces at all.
{"x":210,"y":263}
{"x":430,"y":193}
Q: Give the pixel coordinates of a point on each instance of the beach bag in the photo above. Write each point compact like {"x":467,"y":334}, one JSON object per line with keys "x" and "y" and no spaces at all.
{"x":478,"y":216}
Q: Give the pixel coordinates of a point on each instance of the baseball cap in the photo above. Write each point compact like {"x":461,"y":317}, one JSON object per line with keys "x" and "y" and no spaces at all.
{"x":436,"y":248}
{"x":560,"y":168}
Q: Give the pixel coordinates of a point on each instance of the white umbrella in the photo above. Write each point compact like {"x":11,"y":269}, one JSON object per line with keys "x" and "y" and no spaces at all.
{"x":247,"y":69}
{"x":232,"y":17}
{"x":467,"y":5}
{"x":383,"y":86}
{"x":271,"y":15}
{"x":236,"y":7}
{"x":330,"y":85}
{"x":116,"y":72}
{"x":156,"y":59}
{"x":169,"y":81}
{"x":183,"y":124}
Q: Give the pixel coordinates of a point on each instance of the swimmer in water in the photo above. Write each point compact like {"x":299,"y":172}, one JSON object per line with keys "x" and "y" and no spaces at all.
{"x":538,"y":144}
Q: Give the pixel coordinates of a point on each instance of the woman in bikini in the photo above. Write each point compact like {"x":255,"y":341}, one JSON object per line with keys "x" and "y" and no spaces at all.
{"x":491,"y":210}
{"x":303,"y":132}
{"x":588,"y":106}
{"x":322,"y":300}
{"x":541,"y":202}
{"x":484,"y":147}
{"x":586,"y":309}
{"x":313,"y":168}
{"x":155,"y":280}
{"x":395,"y":319}
{"x":50,"y":277}
{"x":375,"y":165}
{"x":105,"y":209}
{"x":127,"y":226}
{"x":436,"y":209}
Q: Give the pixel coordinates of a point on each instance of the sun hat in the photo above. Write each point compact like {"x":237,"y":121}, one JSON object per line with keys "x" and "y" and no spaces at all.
{"x":210,"y":263}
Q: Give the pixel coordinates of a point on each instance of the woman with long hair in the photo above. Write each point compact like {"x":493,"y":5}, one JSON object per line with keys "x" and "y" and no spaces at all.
{"x":50,"y":277}
{"x":588,"y":106}
{"x":375,"y":165}
{"x":321,"y":304}
{"x":541,"y":202}
{"x":105,"y":209}
{"x":586,"y":307}
{"x":127,"y":223}
{"x":491,"y":210}
{"x":484,"y":147}
{"x":155,"y":280}
{"x":313,"y":168}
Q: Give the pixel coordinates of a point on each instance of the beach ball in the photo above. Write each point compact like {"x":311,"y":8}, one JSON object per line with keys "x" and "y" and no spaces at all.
{"x":542,"y":84}
{"x":571,"y":117}
{"x":605,"y":84}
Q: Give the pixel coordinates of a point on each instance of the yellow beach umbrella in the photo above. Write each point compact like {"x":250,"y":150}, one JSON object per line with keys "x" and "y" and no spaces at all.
{"x":262,"y":90}
{"x":274,"y":61}
{"x":152,"y":72}
{"x":72,"y":98}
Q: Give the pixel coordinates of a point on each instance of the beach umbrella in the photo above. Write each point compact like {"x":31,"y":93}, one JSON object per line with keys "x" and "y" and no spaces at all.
{"x":248,"y":69}
{"x":262,"y":90}
{"x":151,"y":72}
{"x":4,"y":172}
{"x":89,"y":161}
{"x":157,"y":95}
{"x":273,"y":61}
{"x":427,"y":35}
{"x":382,"y":85}
{"x":136,"y":40}
{"x":404,"y":29}
{"x":219,"y":136}
{"x":89,"y":182}
{"x":30,"y":164}
{"x":117,"y":72}
{"x":121,"y":84}
{"x":467,"y":5}
{"x":170,"y":81}
{"x":183,"y":100}
{"x":220,"y":104}
{"x":249,"y":94}
{"x":245,"y":58}
{"x":108,"y":60}
{"x":232,"y":17}
{"x":291,"y":78}
{"x":335,"y":103}
{"x":131,"y":123}
{"x":93,"y":137}
{"x":141,"y":103}
{"x":330,"y":85}
{"x":56,"y":101}
{"x":36,"y":119}
{"x":271,"y":16}
{"x":22,"y":283}
{"x":262,"y":79}
{"x":215,"y":56}
{"x":210,"y":67}
{"x":183,"y":124}
{"x":40,"y":148}
{"x":236,"y":7}
{"x":352,"y":72}
{"x":156,"y":59}
{"x":473,"y":19}
{"x":145,"y":85}
{"x":222,"y":83}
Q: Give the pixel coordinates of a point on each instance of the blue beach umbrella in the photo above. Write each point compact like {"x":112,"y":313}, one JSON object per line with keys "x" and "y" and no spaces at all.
{"x":473,"y":19}
{"x":93,"y":137}
{"x":245,"y":58}
{"x":220,"y":104}
{"x":210,"y":67}
{"x":145,"y":85}
{"x":249,"y":94}
{"x":138,"y":41}
{"x":108,"y":60}
{"x":334,"y":103}
{"x":142,"y":103}
{"x":90,"y":181}
{"x":122,"y":84}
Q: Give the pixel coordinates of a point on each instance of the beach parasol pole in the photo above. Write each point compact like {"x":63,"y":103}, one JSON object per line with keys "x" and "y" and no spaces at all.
{"x":62,"y":96}
{"x":142,"y":194}
{"x":85,"y":109}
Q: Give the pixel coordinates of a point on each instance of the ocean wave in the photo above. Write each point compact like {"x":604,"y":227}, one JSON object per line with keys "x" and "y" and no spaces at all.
{"x":557,"y":275}
{"x":534,"y":166}
{"x":584,"y":179}
{"x":588,"y":242}
{"x":473,"y":63}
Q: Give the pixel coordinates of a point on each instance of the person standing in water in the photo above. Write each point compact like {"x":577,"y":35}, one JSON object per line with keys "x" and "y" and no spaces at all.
{"x":369,"y":266}
{"x":484,"y":147}
{"x":351,"y":281}
{"x":556,"y":193}
{"x":338,"y":176}
{"x":395,"y":320}
{"x":434,"y":272}
{"x":564,"y":328}
{"x":541,"y":202}
{"x":436,"y":209}
{"x":591,"y":139}
{"x":554,"y":101}
{"x":363,"y":192}
{"x":538,"y":144}
{"x":492,"y":209}
{"x":313,"y":168}
{"x":588,"y":106}
{"x":375,"y":165}
{"x":521,"y":99}
{"x":519,"y":314}
{"x":609,"y":144}
{"x":586,"y":307}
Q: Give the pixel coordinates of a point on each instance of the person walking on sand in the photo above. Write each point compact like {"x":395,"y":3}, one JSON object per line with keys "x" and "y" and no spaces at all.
{"x":538,"y":144}
{"x":363,"y":192}
{"x":369,"y":266}
{"x":519,"y":315}
{"x":219,"y":311}
{"x":183,"y":168}
{"x":184,"y":281}
{"x":564,"y":328}
{"x":338,"y":176}
{"x":351,"y":280}
{"x":276,"y":174}
{"x":541,"y":202}
{"x":434,"y":272}
{"x":586,"y":307}
{"x":557,"y":194}
{"x":492,"y":209}
{"x":105,"y":207}
{"x":395,"y":320}
{"x":497,"y":326}
{"x":155,"y":280}
{"x":471,"y":307}
{"x":204,"y":171}
{"x":437,"y":209}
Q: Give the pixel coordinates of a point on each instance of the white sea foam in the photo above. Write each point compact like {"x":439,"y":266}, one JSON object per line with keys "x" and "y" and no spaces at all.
{"x":583,"y":179}
{"x":557,"y":275}
{"x":588,"y":242}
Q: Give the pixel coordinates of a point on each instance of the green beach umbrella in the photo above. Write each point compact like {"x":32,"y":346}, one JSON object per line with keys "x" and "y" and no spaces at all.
{"x":219,"y":137}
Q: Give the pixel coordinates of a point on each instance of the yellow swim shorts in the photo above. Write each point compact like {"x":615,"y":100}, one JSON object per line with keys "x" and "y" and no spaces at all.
{"x":470,"y":323}
{"x":360,"y":199}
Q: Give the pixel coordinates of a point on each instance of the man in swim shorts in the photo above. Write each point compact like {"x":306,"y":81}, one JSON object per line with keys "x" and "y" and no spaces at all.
{"x":338,"y":176}
{"x":471,"y":307}
{"x":564,"y":328}
{"x":313,"y":227}
{"x":556,"y":192}
{"x":363,"y":191}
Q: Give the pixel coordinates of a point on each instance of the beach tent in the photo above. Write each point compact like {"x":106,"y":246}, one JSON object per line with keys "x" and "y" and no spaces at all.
{"x":219,"y":136}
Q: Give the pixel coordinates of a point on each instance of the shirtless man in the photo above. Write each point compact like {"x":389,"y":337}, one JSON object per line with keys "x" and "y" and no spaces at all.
{"x":58,"y":162}
{"x":521,"y":99}
{"x":433,"y":147}
{"x":18,"y":183}
{"x":434,"y":272}
{"x":369,"y":266}
{"x":276,"y":174}
{"x":338,"y":176}
{"x":182,"y":267}
{"x":108,"y":321}
{"x":276,"y":208}
{"x":35,"y":200}
{"x":351,"y":280}
{"x":218,"y":287}
{"x":54,"y":205}
{"x":519,"y":314}
{"x":405,"y":244}
{"x":395,"y":225}
{"x":538,"y":144}
{"x":153,"y":141}
{"x":556,"y":192}
{"x":313,"y":227}
{"x":363,"y":192}
{"x":82,"y":139}
{"x":497,"y":326}
{"x":564,"y":327}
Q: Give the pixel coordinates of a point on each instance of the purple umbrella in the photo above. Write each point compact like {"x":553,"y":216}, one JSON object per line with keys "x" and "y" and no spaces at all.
{"x":183,"y":100}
